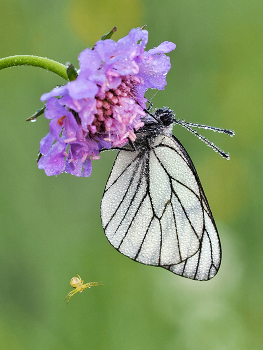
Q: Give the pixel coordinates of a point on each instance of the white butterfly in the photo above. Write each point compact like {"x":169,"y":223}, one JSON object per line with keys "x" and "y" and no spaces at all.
{"x":154,"y":209}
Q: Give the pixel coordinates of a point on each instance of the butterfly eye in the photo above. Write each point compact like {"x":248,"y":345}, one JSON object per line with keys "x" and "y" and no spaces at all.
{"x":166,"y":116}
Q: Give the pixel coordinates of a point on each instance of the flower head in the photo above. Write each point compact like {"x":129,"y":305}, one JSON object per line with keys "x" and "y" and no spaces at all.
{"x":105,"y":105}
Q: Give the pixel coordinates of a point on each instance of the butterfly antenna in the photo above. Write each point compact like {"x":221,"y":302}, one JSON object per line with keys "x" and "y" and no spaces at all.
{"x":202,"y":138}
{"x":202,"y":126}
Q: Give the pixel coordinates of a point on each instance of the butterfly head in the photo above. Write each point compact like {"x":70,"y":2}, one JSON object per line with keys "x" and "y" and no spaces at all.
{"x":165,"y":116}
{"x":161,"y":122}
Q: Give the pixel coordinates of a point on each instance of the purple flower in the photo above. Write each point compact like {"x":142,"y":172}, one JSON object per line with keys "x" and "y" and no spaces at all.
{"x":103,"y":107}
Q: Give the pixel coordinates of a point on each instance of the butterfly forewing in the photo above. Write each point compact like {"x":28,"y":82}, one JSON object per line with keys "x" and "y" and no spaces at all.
{"x":154,"y":210}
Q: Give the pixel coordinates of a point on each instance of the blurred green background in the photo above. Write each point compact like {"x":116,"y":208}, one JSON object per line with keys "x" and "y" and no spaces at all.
{"x":50,"y":226}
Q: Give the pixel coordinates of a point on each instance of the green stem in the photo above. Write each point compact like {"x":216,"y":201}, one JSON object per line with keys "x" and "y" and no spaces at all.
{"x":41,"y":62}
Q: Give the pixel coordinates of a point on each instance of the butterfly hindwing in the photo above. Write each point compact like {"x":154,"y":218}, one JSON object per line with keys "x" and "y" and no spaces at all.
{"x":154,"y":210}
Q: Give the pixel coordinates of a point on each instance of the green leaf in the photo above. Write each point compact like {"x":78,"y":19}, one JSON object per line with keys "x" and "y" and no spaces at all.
{"x":108,"y":35}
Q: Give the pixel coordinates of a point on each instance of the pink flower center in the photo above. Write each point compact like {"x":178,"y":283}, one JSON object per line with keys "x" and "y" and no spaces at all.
{"x":108,"y":104}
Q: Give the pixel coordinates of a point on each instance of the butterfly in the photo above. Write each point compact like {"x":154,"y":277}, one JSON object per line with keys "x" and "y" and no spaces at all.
{"x":154,"y":209}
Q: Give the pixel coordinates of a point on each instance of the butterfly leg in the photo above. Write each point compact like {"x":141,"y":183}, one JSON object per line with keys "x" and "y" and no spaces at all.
{"x":149,"y":107}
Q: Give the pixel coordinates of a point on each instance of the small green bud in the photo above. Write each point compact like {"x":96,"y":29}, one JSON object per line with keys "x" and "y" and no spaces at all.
{"x":108,"y":35}
{"x":36,"y":114}
{"x":71,"y":72}
{"x":39,"y":155}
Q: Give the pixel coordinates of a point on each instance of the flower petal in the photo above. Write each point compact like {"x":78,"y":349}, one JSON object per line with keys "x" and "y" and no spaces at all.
{"x":54,"y":162}
{"x":89,"y":59}
{"x":164,"y":47}
{"x":54,"y":109}
{"x":106,"y":49}
{"x":57,"y":91}
{"x":46,"y":143}
{"x":82,"y":88}
{"x":74,"y":168}
{"x":87,"y":168}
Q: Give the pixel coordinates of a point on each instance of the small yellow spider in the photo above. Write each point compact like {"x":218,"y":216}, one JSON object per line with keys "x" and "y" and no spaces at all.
{"x":77,"y":283}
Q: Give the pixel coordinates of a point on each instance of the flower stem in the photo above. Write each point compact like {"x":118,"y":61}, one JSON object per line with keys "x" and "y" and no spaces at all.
{"x":41,"y":62}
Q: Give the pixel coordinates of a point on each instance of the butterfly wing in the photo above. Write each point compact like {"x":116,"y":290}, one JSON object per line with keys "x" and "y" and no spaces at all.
{"x":154,"y":211}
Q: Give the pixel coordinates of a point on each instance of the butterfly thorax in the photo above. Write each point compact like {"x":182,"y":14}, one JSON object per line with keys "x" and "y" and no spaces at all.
{"x":161,"y":123}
